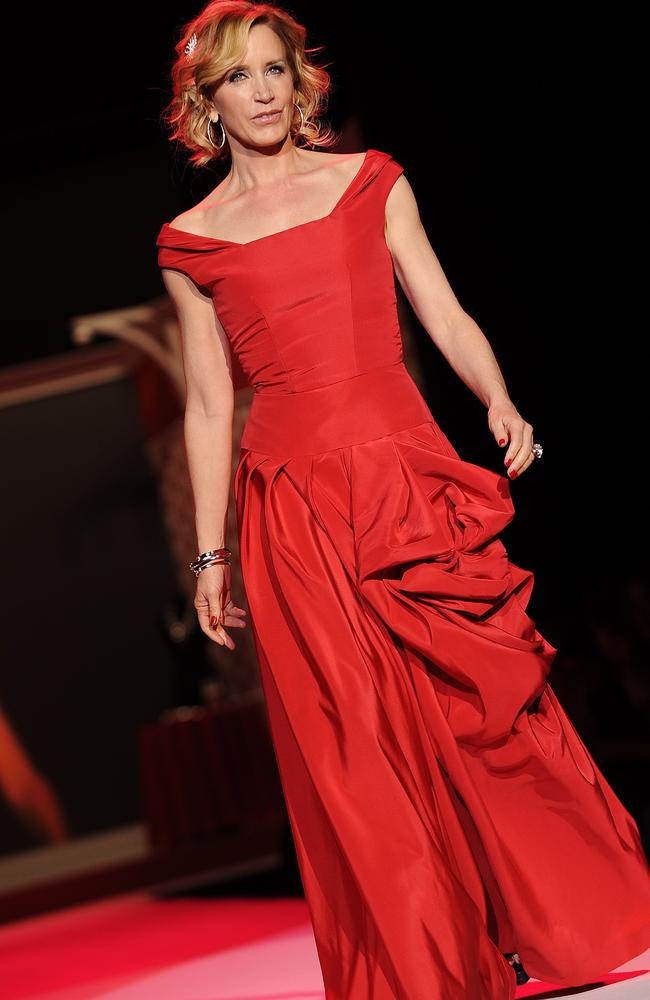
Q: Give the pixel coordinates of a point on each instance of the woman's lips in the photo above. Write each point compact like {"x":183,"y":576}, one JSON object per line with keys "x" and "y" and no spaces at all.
{"x":266,"y":119}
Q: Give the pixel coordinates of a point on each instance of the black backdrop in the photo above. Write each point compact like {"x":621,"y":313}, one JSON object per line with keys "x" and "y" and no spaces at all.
{"x":523,"y":133}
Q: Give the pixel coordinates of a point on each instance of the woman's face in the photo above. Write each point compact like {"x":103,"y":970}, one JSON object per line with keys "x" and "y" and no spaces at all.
{"x":261,"y":84}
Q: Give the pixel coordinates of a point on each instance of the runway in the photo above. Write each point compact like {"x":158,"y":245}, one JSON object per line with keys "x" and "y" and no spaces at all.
{"x":136,"y":947}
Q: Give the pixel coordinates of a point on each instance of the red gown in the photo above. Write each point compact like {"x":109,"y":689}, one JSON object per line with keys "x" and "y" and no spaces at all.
{"x":443,"y":807}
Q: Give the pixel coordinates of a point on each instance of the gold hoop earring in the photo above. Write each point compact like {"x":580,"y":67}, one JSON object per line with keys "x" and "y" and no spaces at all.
{"x":223,"y":132}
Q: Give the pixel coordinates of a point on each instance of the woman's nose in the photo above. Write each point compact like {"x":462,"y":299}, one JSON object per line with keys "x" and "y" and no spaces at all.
{"x":263,"y":91}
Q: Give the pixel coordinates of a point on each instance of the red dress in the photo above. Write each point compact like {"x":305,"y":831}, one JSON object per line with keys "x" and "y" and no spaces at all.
{"x":444,"y":809}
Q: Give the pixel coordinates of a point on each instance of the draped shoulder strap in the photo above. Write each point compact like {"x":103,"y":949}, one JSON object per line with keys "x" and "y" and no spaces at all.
{"x":378,"y":173}
{"x":181,"y":251}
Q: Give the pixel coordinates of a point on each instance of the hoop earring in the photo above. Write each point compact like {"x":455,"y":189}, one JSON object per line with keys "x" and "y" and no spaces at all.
{"x":223,"y":132}
{"x":302,"y":117}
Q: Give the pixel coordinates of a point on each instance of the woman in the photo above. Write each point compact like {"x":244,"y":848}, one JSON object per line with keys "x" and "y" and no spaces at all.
{"x":449,"y":823}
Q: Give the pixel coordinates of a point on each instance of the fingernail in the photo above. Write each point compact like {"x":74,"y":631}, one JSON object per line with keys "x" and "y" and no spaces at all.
{"x":512,"y":473}
{"x":507,"y":461}
{"x":502,"y":441}
{"x":213,"y":621}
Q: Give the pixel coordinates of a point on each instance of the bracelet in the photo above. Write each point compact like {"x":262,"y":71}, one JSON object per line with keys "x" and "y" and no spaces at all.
{"x":210,"y":562}
{"x":210,"y":558}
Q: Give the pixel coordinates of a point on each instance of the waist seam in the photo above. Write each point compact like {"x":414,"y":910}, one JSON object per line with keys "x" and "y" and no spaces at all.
{"x":329,"y":385}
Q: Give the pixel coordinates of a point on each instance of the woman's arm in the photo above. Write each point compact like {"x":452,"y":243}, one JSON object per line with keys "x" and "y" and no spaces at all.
{"x":208,"y":420}
{"x":455,"y":333}
{"x":209,"y":407}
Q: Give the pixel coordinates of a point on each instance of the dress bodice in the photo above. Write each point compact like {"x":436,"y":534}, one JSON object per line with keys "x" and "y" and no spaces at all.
{"x":310,"y":305}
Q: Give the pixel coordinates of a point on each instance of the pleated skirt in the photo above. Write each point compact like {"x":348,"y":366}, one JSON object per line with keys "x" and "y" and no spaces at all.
{"x":443,"y":807}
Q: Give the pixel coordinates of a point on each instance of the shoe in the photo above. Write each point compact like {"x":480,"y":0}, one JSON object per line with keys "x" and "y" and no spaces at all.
{"x":515,"y":961}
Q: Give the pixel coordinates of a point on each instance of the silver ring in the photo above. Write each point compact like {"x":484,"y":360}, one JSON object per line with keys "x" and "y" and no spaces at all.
{"x":538,"y":451}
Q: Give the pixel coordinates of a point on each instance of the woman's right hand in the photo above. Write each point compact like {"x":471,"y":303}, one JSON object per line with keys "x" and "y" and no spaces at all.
{"x":213,"y":601}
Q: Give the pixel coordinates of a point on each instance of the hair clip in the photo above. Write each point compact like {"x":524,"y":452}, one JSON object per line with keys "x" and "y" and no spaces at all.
{"x":189,"y":48}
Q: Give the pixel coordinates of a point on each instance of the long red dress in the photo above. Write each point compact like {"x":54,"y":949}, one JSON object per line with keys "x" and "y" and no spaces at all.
{"x":444,"y":809}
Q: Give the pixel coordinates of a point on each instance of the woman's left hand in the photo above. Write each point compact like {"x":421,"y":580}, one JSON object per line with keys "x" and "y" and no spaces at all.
{"x":510,"y":428}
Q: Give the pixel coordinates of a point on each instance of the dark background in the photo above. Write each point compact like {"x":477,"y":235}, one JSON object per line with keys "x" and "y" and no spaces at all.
{"x":522,"y":131}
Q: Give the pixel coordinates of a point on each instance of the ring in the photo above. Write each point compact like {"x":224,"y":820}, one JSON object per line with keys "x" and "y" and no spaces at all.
{"x":538,"y":451}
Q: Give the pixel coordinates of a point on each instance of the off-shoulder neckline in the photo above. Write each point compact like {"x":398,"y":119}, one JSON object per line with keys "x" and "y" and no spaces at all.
{"x":260,"y":239}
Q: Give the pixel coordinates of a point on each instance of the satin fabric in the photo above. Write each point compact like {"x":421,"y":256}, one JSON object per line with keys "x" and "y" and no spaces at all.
{"x":443,"y":807}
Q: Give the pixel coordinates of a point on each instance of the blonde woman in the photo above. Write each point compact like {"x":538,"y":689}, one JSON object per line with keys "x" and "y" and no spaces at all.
{"x":453,"y":833}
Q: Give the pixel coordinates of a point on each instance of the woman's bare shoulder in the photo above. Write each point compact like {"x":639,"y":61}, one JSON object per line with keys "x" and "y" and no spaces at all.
{"x":202,"y":218}
{"x":340,"y":159}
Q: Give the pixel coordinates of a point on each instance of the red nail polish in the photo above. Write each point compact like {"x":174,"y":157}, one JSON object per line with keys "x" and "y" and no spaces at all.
{"x":507,"y":461}
{"x":502,"y":441}
{"x":512,"y":473}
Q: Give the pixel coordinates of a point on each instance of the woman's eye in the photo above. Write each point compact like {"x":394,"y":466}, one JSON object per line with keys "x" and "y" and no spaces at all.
{"x":239,"y":72}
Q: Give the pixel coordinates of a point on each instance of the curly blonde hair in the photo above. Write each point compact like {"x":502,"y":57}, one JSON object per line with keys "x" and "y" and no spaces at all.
{"x":222,"y":30}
